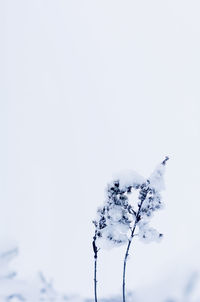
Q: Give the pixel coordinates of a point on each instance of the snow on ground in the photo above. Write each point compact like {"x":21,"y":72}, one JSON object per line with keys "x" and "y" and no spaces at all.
{"x":185,"y":288}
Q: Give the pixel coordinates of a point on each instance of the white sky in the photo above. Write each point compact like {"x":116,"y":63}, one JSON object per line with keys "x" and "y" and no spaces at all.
{"x":90,"y":88}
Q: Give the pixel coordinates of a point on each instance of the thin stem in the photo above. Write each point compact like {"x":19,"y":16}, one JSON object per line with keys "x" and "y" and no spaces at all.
{"x":131,"y":238}
{"x":95,"y":279}
{"x":95,"y":267}
{"x":125,"y":262}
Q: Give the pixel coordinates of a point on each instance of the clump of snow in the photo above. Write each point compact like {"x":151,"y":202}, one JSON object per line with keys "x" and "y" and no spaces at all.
{"x":111,"y":238}
{"x":148,"y":234}
{"x":129,"y":178}
{"x":157,"y":177}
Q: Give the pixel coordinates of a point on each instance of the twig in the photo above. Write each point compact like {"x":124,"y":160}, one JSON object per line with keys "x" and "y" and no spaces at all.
{"x":95,"y":267}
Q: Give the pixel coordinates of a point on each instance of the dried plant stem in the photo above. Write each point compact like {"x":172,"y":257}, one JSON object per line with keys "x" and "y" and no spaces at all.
{"x":95,"y":267}
{"x":125,"y":262}
{"x":145,"y":191}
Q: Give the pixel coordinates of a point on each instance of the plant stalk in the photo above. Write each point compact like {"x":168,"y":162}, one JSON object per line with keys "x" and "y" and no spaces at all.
{"x":95,"y":267}
{"x":130,"y":240}
{"x":125,"y":262}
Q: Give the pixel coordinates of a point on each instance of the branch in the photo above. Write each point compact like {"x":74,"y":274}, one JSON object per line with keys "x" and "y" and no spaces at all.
{"x":165,"y":160}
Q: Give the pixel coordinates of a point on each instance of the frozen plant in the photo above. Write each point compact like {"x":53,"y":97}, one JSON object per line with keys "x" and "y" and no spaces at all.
{"x":15,"y":289}
{"x":120,"y":218}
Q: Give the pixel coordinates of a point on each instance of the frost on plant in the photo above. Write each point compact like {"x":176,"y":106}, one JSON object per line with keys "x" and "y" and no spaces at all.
{"x":116,"y":218}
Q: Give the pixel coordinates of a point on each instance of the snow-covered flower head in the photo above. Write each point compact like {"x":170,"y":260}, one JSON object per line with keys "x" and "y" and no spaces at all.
{"x":152,"y":202}
{"x":119,"y":217}
{"x":114,"y":218}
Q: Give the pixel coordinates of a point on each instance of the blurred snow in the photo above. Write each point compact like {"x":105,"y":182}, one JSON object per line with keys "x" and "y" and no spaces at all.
{"x":38,"y":288}
{"x":14,"y":289}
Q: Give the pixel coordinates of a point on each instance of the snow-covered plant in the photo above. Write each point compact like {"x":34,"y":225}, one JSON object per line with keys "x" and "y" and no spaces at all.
{"x":7,"y":253}
{"x":14,"y":289}
{"x":121,"y":216}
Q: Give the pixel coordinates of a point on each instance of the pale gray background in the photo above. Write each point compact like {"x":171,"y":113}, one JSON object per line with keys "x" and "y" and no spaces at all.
{"x":90,"y":88}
